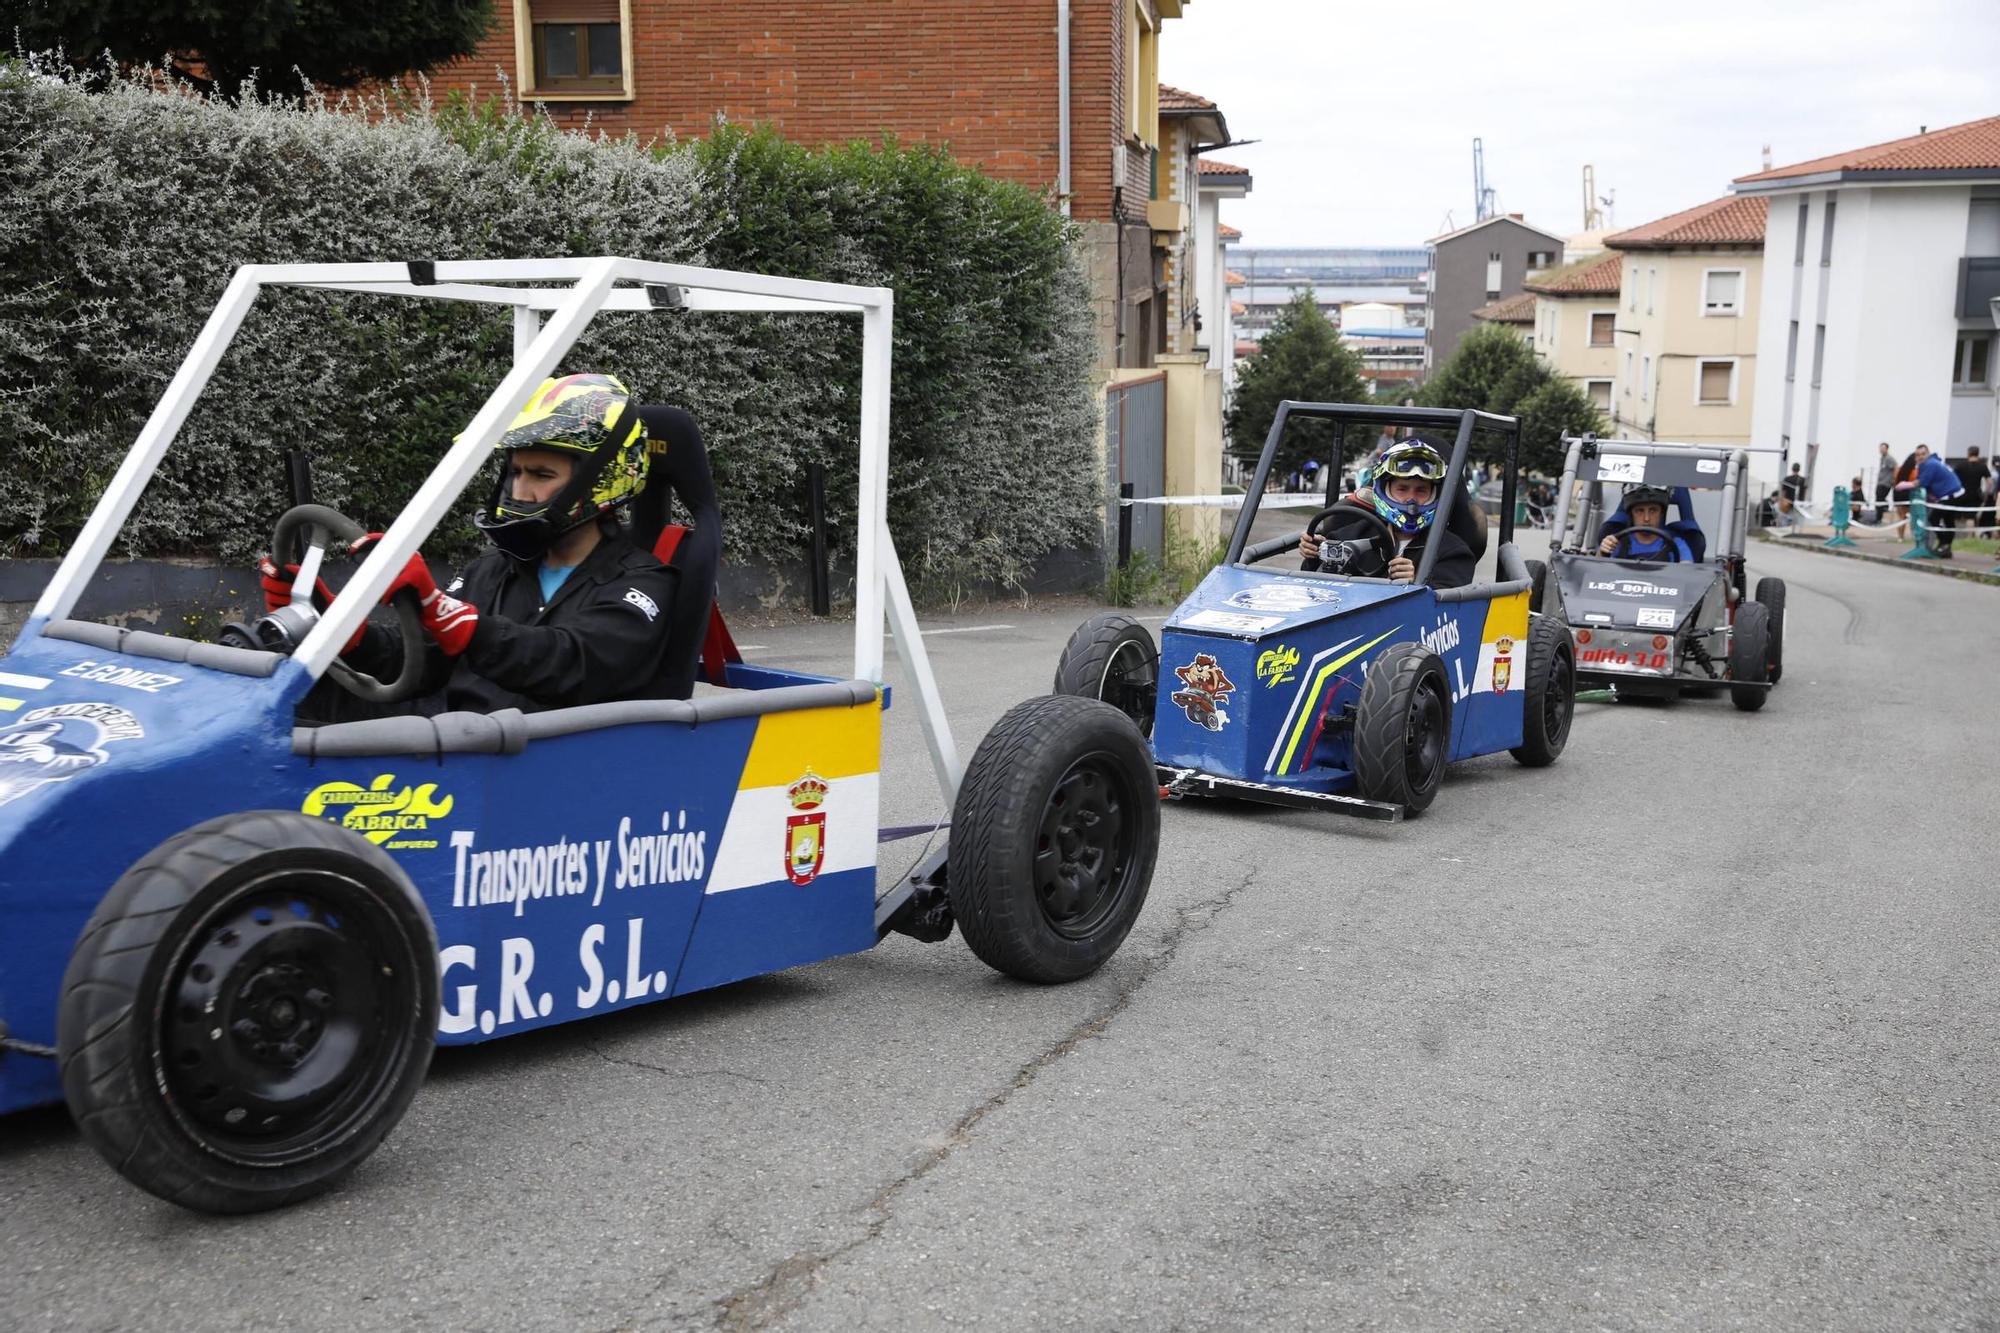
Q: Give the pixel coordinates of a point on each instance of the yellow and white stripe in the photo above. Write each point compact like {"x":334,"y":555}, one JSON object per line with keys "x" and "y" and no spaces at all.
{"x":842,"y":747}
{"x":1305,"y":704}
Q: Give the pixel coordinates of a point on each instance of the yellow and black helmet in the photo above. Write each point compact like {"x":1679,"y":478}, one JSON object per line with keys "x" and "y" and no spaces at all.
{"x":592,"y":417}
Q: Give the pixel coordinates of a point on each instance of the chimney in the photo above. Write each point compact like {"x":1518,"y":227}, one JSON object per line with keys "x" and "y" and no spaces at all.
{"x":1517,"y":217}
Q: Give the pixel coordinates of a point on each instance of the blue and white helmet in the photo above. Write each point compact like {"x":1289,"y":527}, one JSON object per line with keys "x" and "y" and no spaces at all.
{"x":1406,"y":458}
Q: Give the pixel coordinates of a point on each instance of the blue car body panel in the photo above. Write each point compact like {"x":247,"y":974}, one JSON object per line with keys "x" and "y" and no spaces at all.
{"x":1255,"y":665}
{"x":592,"y":871}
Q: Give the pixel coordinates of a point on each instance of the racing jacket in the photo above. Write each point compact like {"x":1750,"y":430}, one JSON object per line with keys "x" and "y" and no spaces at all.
{"x":1689,"y":541}
{"x":1455,"y":560}
{"x":603,"y":635}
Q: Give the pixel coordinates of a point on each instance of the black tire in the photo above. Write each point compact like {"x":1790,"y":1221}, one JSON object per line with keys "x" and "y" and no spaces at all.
{"x":1113,"y":657}
{"x":1550,"y":702}
{"x":1053,"y":839}
{"x":249,"y":1012}
{"x":1771,"y":595}
{"x":1750,"y":655}
{"x":1402,"y":728}
{"x":1538,"y":575}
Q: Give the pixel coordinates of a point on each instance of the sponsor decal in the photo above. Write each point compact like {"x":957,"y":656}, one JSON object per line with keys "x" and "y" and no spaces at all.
{"x":1229,"y":620}
{"x":110,"y":673}
{"x":647,"y":606}
{"x":1630,"y":588}
{"x":1656,"y":617}
{"x":1708,"y":465}
{"x":1441,"y":639}
{"x":805,"y":832}
{"x":1287,"y":597}
{"x":1621,"y":467}
{"x":1631,"y":660}
{"x":1597,"y":617}
{"x":1202,"y":700}
{"x":1277,"y":665}
{"x":1503,"y":664}
{"x":56,"y":743}
{"x":382,"y":812}
{"x":573,"y":867}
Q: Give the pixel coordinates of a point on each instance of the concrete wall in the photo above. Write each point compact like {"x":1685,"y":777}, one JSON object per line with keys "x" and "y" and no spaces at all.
{"x":1194,"y":444}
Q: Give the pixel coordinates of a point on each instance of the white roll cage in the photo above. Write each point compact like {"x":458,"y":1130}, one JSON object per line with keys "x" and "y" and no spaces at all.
{"x":574,"y":291}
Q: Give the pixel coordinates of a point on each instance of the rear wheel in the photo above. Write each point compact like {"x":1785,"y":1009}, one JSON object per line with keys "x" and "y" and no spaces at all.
{"x":1402,"y":728}
{"x":249,"y":1012}
{"x":1550,"y":698}
{"x":1053,"y":839}
{"x":1750,"y":656}
{"x":1771,"y":595}
{"x":1113,"y":657}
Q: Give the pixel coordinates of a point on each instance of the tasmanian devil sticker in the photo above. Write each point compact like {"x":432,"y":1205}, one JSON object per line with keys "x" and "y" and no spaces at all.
{"x":56,"y":743}
{"x":805,"y":832}
{"x":1206,"y":684}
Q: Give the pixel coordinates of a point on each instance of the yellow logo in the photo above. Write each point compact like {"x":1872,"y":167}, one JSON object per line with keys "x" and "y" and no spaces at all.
{"x":381,"y":810}
{"x":1277,"y":665}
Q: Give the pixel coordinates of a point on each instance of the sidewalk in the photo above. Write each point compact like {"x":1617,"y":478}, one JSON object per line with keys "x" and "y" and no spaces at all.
{"x":1881,"y":546}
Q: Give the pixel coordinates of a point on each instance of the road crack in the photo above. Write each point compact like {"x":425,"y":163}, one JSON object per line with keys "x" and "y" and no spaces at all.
{"x":785,"y":1287}
{"x":610,"y":1059}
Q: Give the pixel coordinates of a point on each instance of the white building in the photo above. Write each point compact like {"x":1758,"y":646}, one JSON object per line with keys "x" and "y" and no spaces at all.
{"x":1880,"y":269}
{"x":1218,"y":181}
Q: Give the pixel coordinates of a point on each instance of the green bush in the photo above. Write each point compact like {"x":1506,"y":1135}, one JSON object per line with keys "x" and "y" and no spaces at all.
{"x":131,"y":206}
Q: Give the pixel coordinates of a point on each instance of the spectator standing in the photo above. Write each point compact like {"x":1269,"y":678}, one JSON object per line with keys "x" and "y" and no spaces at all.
{"x":1940,"y":486}
{"x":1885,"y":477}
{"x":1973,"y":476}
{"x":1905,"y":482}
{"x":1795,"y":485}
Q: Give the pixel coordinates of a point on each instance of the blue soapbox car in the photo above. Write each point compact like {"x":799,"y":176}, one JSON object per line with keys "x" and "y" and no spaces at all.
{"x":230,"y":942}
{"x":1315,"y":689}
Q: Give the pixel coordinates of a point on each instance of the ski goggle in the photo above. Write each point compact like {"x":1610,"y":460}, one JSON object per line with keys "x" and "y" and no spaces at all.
{"x":1420,"y":461}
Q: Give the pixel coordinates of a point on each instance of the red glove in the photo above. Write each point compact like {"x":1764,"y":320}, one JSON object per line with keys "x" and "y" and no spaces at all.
{"x":278,"y":594}
{"x":448,"y":621}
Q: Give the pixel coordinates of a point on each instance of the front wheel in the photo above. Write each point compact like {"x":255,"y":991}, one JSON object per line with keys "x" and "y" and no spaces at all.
{"x":249,"y":1012}
{"x":1053,"y":839}
{"x":1549,"y":702}
{"x":1402,"y":728}
{"x":1113,"y":657}
{"x":1771,"y":595}
{"x":1750,"y":656}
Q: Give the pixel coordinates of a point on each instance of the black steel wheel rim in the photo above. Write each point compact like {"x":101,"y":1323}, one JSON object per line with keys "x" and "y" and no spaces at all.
{"x":1131,"y":683}
{"x":1424,"y":740}
{"x":1085,"y":864}
{"x":1558,"y":700}
{"x":283,"y":1019}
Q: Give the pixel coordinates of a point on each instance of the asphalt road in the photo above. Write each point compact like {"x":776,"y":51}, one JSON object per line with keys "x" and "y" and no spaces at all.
{"x":1696,"y":1029}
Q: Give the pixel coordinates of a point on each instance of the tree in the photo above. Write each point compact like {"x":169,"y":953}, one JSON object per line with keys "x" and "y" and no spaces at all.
{"x":1495,"y":371}
{"x":218,"y":46}
{"x":1301,"y":358}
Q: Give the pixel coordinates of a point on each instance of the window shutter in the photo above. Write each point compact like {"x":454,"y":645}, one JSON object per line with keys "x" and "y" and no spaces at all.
{"x":1715,"y":381}
{"x":1722,"y":288}
{"x":573,"y":11}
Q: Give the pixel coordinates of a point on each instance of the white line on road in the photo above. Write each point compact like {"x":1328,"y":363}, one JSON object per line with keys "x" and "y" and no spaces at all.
{"x":964,"y":629}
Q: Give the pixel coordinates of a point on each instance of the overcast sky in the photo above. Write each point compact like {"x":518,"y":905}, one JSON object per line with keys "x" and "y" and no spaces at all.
{"x":1365,"y":112}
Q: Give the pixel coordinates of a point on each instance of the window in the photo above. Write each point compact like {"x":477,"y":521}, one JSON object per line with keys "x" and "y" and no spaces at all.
{"x":1632,"y":289}
{"x":1142,"y":82}
{"x":1799,"y":247}
{"x":1826,"y":232}
{"x":1792,"y":353}
{"x":1600,"y":394}
{"x":1722,"y":292}
{"x":1645,"y":377}
{"x":1540,"y":259}
{"x":1628,"y":372}
{"x":1972,"y":363}
{"x":1715,"y":383}
{"x":1819,"y":353}
{"x":1602,"y":322}
{"x":1492,"y":275}
{"x":1652,"y":287}
{"x":575,"y":48}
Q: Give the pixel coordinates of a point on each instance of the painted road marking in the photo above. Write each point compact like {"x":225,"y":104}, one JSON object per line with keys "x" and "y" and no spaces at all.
{"x":964,"y":629}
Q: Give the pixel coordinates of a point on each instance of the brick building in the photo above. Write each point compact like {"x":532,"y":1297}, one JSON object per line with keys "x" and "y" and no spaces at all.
{"x":984,"y":79}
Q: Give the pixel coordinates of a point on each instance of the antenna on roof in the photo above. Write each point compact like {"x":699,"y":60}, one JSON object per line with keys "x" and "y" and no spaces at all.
{"x":1482,"y":193}
{"x":1767,"y":157}
{"x":1593,"y":216}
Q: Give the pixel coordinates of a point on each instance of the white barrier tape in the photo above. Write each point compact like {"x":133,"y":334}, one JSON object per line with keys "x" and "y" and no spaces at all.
{"x":1283,"y":499}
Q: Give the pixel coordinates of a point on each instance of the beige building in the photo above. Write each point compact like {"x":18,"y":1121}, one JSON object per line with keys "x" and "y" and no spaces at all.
{"x":1576,"y":321}
{"x":1686,"y":328}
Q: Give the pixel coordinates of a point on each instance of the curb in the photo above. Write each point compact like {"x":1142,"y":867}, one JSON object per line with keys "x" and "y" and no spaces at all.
{"x":1915,"y":566}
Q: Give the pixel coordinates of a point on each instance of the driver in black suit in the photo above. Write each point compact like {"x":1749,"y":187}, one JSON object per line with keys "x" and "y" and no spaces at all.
{"x":1382,"y":530}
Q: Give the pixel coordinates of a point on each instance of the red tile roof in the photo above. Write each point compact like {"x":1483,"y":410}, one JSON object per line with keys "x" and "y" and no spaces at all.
{"x":1730,"y":220}
{"x":1227,"y":232}
{"x":1516,"y":309}
{"x":1231,"y":278}
{"x":1973,"y":146}
{"x":1210,"y":167}
{"x":1597,"y":275}
{"x":1238,"y":308}
{"x":1173,"y":99}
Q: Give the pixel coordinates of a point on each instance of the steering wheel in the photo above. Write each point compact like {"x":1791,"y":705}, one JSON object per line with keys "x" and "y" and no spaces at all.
{"x":1383,"y":536}
{"x":1668,"y":552}
{"x":322,"y":528}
